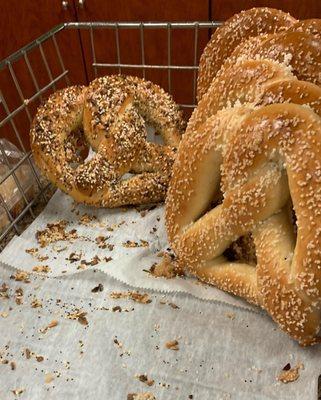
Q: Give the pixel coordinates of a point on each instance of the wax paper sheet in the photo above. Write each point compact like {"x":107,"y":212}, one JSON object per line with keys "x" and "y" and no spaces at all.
{"x":117,"y":347}
{"x":124,"y":243}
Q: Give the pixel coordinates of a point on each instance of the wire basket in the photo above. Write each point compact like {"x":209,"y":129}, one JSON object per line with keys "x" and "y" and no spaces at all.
{"x":57,"y":75}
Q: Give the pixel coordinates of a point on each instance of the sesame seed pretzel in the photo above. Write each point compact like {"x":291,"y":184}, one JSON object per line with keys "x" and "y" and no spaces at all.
{"x":234,"y":31}
{"x":111,"y":112}
{"x":268,"y":156}
{"x":300,"y":50}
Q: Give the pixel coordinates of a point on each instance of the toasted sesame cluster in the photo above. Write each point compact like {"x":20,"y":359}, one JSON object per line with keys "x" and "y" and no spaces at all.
{"x":109,"y":117}
{"x":243,"y":206}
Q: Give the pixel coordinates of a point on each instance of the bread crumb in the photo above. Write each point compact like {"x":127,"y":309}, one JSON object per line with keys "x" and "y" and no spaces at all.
{"x":290,"y":375}
{"x":172,"y":345}
{"x":167,"y":268}
{"x":141,"y":396}
{"x":49,"y":378}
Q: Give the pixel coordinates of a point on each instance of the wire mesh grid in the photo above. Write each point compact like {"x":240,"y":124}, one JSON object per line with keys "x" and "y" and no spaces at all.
{"x":52,"y":80}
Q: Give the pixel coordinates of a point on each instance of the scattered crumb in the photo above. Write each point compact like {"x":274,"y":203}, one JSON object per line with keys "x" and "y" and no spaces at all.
{"x":141,"y":396}
{"x":82,"y":320}
{"x":94,"y":261}
{"x":54,"y":232}
{"x":19,"y":296}
{"x":130,"y":243}
{"x":21,"y":276}
{"x":42,"y":268}
{"x":140,"y":297}
{"x":27,"y":354}
{"x":144,"y":378}
{"x":118,"y":343}
{"x":51,"y":325}
{"x":230,"y":315}
{"x":59,"y":249}
{"x":36,"y":303}
{"x":73,"y":257}
{"x":42,"y":258}
{"x":135,"y":296}
{"x":289,"y":374}
{"x":86,"y":219}
{"x":17,"y":392}
{"x":12,"y":365}
{"x":176,"y":307}
{"x":101,"y":241}
{"x":49,"y":378}
{"x":167,"y":268}
{"x":98,"y":288}
{"x":78,"y":315}
{"x":4,"y":314}
{"x":34,"y":252}
{"x":172,"y":345}
{"x":4,"y":288}
{"x":81,"y":345}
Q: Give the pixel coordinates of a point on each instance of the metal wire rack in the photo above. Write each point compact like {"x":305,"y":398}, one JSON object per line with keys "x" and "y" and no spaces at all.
{"x":41,"y":89}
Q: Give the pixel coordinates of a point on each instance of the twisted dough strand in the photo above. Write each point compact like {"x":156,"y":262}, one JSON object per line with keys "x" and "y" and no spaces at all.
{"x":267,"y":156}
{"x":234,"y":31}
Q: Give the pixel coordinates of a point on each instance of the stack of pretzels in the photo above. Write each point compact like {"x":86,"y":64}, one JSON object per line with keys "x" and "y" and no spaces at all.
{"x":243,"y":205}
{"x":247,"y":175}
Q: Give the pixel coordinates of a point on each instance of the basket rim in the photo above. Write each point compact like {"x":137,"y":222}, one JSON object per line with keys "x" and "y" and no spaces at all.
{"x":107,"y":25}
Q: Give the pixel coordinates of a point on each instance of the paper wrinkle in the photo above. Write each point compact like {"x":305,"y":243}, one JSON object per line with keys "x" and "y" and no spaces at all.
{"x":128,"y":264}
{"x":222,"y":354}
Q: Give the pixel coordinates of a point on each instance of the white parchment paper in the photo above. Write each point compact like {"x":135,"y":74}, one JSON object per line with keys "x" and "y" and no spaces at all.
{"x":120,"y":226}
{"x":224,"y":353}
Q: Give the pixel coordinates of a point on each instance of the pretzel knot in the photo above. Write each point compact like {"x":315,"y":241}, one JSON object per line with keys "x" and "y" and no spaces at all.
{"x":108,"y":116}
{"x":263,"y":160}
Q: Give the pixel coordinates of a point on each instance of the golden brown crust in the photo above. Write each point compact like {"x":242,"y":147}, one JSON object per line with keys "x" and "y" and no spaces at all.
{"x":312,"y":26}
{"x":235,"y":30}
{"x":242,"y":82}
{"x":299,"y":50}
{"x":266,"y":156}
{"x":259,"y":82}
{"x":112,"y":111}
{"x":288,"y":273}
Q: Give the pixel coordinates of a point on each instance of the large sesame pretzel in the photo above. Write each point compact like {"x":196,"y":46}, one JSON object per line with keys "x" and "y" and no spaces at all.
{"x":268,"y":156}
{"x":234,"y":31}
{"x":112,"y":112}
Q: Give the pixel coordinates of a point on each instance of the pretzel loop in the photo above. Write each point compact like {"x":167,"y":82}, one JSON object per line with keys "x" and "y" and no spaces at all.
{"x":264,"y":158}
